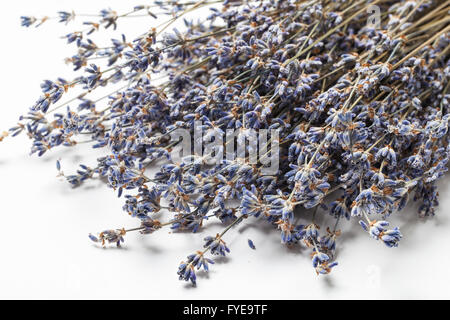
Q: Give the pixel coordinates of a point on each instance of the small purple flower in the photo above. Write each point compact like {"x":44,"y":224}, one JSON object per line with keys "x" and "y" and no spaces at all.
{"x":216,"y":245}
{"x":27,"y":21}
{"x":251,"y":244}
{"x":110,"y":236}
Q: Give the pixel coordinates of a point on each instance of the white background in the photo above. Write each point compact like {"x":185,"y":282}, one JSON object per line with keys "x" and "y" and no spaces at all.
{"x":45,"y":251}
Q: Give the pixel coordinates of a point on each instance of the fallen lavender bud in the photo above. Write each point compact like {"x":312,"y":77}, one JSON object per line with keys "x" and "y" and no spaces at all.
{"x":251,"y":244}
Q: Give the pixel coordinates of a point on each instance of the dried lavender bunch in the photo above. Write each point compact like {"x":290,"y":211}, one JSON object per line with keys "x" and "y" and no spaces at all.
{"x":361,"y":108}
